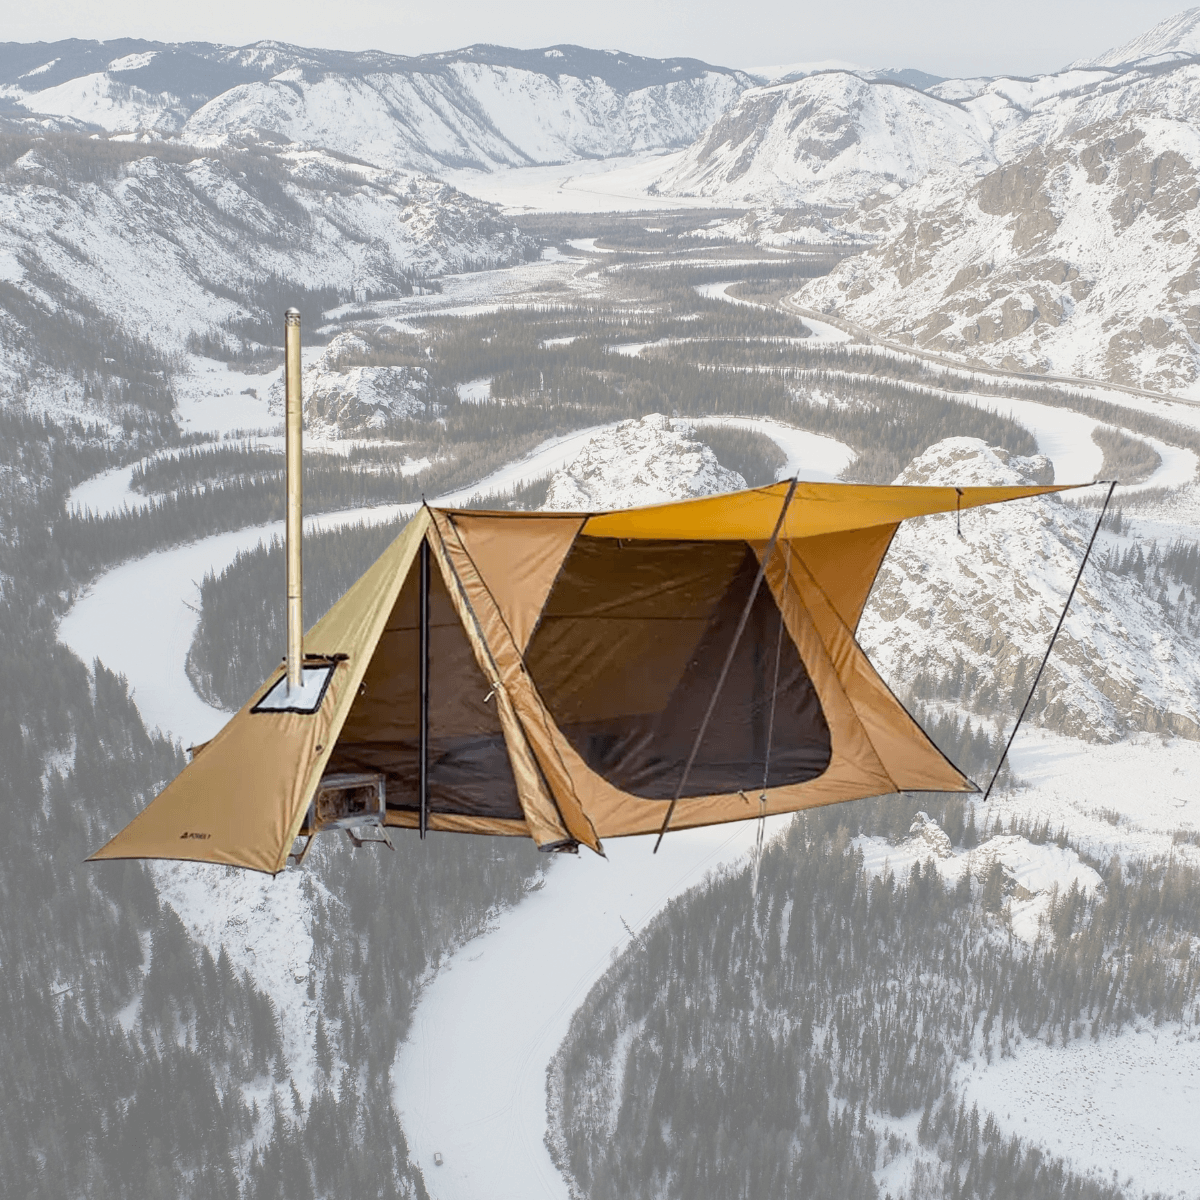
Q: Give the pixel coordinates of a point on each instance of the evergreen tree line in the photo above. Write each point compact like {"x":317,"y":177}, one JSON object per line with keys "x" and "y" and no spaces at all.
{"x":754,"y":1043}
{"x":1126,"y":458}
{"x":90,"y":542}
{"x":135,"y":1062}
{"x":887,"y":425}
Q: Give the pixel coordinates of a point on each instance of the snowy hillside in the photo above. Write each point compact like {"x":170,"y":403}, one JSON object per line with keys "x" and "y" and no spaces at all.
{"x":639,"y":462}
{"x":1176,"y":37}
{"x":481,"y":107}
{"x":1078,"y":258}
{"x":149,"y":253}
{"x":831,"y":138}
{"x":966,"y":620}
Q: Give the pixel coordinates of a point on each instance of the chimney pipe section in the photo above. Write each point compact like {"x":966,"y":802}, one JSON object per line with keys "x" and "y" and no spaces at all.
{"x":294,"y":453}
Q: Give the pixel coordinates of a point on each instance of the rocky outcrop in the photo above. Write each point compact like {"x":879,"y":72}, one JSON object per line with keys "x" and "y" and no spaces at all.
{"x":647,"y":461}
{"x":341,"y":400}
{"x":964,"y":621}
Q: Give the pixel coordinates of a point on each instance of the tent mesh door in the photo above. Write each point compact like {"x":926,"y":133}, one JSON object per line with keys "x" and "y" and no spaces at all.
{"x":628,"y":651}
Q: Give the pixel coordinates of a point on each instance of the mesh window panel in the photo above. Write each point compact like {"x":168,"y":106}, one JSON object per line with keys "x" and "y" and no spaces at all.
{"x":627,"y":655}
{"x":469,"y":771}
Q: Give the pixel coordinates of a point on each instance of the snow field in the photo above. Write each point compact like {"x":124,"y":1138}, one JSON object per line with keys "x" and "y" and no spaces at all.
{"x":1126,"y":798}
{"x":596,"y":186}
{"x":1126,"y":1107}
{"x":476,"y":391}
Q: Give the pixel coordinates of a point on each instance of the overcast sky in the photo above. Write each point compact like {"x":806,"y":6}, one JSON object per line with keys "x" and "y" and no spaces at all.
{"x":940,"y":36}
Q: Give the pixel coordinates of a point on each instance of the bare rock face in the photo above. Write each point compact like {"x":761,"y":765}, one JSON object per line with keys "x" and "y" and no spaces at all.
{"x":646,"y":461}
{"x":1079,"y":258}
{"x":965,"y":620}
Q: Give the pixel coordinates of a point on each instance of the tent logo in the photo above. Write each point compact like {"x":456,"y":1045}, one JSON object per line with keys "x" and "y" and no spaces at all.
{"x":200,"y":837}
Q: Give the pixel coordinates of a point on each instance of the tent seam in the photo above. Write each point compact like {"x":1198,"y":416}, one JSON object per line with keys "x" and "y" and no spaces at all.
{"x":498,"y":682}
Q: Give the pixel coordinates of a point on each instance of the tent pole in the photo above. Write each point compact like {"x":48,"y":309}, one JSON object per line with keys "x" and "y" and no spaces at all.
{"x":423,"y":767}
{"x":1053,"y":637}
{"x":737,"y":637}
{"x":294,"y":452}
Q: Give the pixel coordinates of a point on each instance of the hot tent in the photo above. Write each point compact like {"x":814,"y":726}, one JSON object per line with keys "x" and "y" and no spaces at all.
{"x":546,"y":675}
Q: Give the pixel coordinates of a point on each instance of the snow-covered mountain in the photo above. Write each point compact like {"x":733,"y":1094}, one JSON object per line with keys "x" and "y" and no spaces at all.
{"x":1078,"y":258}
{"x":162,"y":247}
{"x":829,"y":138}
{"x":967,"y":619}
{"x":1043,"y":224}
{"x":1175,"y":38}
{"x":840,"y":136}
{"x":482,"y":106}
{"x":647,"y":461}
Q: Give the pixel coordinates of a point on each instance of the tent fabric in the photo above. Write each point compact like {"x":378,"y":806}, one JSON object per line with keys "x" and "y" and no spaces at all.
{"x":242,"y":801}
{"x":571,"y":659}
{"x":816,"y":508}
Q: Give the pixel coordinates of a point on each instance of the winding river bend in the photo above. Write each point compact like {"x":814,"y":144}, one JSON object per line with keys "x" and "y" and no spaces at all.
{"x":470,"y":1082}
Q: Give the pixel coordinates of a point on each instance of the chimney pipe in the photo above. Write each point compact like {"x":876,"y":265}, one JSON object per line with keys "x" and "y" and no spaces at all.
{"x":294,"y":453}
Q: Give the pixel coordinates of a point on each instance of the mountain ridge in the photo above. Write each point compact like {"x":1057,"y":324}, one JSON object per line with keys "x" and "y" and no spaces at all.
{"x":481,"y":106}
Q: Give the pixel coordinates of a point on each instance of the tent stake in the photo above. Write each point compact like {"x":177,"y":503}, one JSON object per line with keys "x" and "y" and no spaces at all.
{"x":737,"y":637}
{"x":423,"y":751}
{"x":1053,"y":637}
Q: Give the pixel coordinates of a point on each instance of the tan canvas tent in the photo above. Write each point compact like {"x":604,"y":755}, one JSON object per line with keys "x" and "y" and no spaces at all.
{"x":571,"y":677}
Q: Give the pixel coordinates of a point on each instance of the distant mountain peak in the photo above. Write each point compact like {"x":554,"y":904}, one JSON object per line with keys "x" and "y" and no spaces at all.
{"x":1176,"y":37}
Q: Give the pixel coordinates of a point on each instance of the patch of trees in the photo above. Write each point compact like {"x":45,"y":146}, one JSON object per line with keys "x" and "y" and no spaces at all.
{"x":1126,"y":458}
{"x":1169,"y":572}
{"x":753,"y":455}
{"x":755,"y":1043}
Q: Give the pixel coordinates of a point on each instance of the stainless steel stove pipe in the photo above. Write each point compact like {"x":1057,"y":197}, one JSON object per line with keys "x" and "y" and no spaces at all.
{"x":294,"y":453}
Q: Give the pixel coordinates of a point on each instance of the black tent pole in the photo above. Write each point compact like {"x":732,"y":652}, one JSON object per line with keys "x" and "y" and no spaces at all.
{"x":423,"y":752}
{"x":737,"y":637}
{"x":1053,"y":637}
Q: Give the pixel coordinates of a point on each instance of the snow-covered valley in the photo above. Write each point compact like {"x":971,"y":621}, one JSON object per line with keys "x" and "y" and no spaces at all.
{"x":577,"y":280}
{"x":136,"y":619}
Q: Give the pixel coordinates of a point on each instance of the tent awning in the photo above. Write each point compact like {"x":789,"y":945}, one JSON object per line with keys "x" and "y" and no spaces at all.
{"x":816,"y":508}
